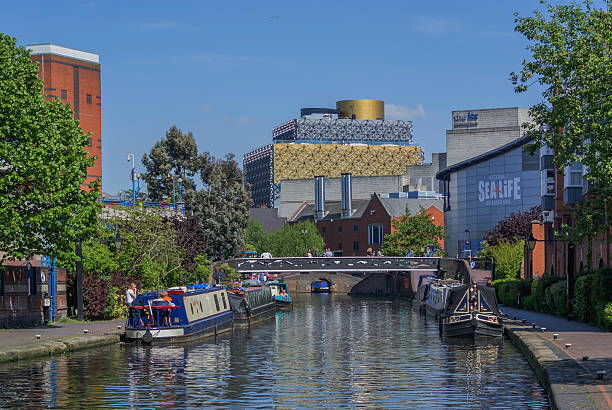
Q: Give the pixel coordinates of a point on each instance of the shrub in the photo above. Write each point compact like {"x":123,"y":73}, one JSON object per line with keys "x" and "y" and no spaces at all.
{"x":115,"y":307}
{"x":601,"y":297}
{"x":539,"y":288}
{"x":508,"y":258}
{"x":583,"y":306}
{"x":604,"y":315}
{"x":509,"y":289}
{"x":558,"y":295}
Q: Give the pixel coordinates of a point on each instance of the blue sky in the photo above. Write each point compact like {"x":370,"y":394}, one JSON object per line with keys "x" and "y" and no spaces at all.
{"x":231,"y":71}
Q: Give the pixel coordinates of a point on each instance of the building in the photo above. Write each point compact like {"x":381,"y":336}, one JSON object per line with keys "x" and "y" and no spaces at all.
{"x":294,"y":192}
{"x":74,"y":77}
{"x":354,"y":138}
{"x":350,"y":226}
{"x":476,"y":132}
{"x":483,"y":190}
{"x":268,"y":217}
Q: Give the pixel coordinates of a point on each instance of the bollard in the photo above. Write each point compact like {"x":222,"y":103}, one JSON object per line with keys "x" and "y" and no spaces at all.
{"x":118,"y":327}
{"x":601,"y":374}
{"x":514,"y":317}
{"x":555,"y":336}
{"x":543,"y":329}
{"x":38,"y":336}
{"x":568,"y":345}
{"x":85,"y":331}
{"x":523,"y":321}
{"x":533,"y":325}
{"x":585,"y":358}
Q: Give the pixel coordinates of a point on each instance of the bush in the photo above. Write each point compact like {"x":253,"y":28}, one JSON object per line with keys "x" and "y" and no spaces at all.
{"x":115,"y":307}
{"x":558,"y":296}
{"x":583,"y":306}
{"x":508,"y":258}
{"x":508,"y":290}
{"x":604,"y":315}
{"x":601,"y":297}
{"x":539,"y":289}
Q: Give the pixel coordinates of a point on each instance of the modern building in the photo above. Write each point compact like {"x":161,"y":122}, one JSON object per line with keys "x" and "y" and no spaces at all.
{"x":354,"y":138}
{"x":350,"y":226}
{"x":416,"y":178}
{"x":483,"y":190}
{"x":74,"y":77}
{"x":476,"y":132}
{"x":268,"y":217}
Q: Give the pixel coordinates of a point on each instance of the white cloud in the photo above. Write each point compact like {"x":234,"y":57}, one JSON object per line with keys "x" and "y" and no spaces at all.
{"x":206,"y":107}
{"x":436,"y":25}
{"x":400,"y":112}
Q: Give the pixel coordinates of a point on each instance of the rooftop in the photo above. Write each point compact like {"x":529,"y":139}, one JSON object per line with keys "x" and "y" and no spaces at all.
{"x":40,"y":49}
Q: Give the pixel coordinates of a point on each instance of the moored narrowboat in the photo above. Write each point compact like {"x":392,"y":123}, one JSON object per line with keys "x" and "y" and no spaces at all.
{"x":251,"y":305}
{"x":281,"y":295}
{"x":320,"y":286}
{"x":465,"y":310}
{"x":179,"y":314}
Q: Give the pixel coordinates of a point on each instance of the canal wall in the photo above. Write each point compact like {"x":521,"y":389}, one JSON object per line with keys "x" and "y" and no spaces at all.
{"x":561,"y":376}
{"x":48,"y":348}
{"x":340,"y":282}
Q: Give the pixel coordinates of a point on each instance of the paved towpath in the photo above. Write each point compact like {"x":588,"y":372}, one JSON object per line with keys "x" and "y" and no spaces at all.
{"x":585,"y":340}
{"x":57,"y":331}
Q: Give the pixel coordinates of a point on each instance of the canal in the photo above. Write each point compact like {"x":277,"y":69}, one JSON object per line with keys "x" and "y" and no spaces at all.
{"x":330,"y":351}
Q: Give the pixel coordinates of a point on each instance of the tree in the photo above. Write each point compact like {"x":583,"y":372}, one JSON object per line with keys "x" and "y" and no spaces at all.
{"x":190,"y":237}
{"x":514,"y":227}
{"x":176,"y":154}
{"x":255,"y":236}
{"x":571,"y":59}
{"x":508,"y":257}
{"x":296,"y":240}
{"x":412,"y":233}
{"x":43,"y":209}
{"x":222,"y":208}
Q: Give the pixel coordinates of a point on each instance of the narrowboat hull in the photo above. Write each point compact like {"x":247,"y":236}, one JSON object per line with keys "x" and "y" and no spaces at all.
{"x":283,"y":304}
{"x":252,"y":306}
{"x":257,"y":315}
{"x":471,"y":328}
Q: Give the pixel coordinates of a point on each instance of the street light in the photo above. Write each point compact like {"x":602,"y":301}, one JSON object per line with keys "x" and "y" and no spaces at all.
{"x":180,"y":181}
{"x":138,"y":176}
{"x":133,"y":181}
{"x":469,"y":243}
{"x":173,"y":202}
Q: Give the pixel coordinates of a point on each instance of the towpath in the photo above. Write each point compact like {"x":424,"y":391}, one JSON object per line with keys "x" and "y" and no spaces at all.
{"x":574,"y":380}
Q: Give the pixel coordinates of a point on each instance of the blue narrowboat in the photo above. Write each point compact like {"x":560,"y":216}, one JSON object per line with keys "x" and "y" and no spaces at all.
{"x":320,"y":286}
{"x":179,"y":314}
{"x":282,"y":297}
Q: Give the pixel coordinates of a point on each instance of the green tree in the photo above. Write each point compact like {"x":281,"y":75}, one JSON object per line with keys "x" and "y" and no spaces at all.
{"x":570,"y":50}
{"x":295,"y":240}
{"x":43,"y":209}
{"x":508,"y":256}
{"x":256,"y":236}
{"x":176,"y":154}
{"x":412,"y":233}
{"x":222,"y":208}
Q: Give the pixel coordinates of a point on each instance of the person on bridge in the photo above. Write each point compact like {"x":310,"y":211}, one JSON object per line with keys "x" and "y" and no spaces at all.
{"x":309,"y":253}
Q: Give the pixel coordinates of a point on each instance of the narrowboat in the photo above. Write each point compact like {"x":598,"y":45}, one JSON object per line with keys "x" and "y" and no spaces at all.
{"x":464,"y":310}
{"x":179,"y":314}
{"x":251,"y":304}
{"x":280,"y":293}
{"x":320,"y":286}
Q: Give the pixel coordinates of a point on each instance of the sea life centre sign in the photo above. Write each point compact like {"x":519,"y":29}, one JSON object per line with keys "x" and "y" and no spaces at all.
{"x":499,"y":190}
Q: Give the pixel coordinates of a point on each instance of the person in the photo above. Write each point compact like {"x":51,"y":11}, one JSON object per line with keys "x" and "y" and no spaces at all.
{"x":266,"y":255}
{"x":309,"y":253}
{"x":284,"y":293}
{"x":164,"y":300}
{"x":379,"y":253}
{"x":369,"y":252}
{"x":316,"y":253}
{"x":130,"y":295}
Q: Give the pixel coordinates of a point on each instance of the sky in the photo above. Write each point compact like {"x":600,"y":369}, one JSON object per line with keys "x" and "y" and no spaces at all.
{"x":231,"y":71}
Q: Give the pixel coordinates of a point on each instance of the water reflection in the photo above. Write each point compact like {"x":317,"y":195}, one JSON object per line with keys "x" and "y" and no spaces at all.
{"x":330,"y":351}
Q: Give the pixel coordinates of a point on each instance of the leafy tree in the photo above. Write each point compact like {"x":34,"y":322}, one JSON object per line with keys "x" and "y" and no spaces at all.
{"x":255,"y":236}
{"x":222,"y":208}
{"x":176,"y":154}
{"x":203,"y":268}
{"x":412,"y":233}
{"x":508,"y":257}
{"x":513,"y":227}
{"x":295,"y":240}
{"x":571,"y":59}
{"x":190,"y":237}
{"x":43,"y":163}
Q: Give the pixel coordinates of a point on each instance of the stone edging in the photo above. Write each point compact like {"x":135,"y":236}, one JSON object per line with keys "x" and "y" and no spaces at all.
{"x":558,"y":373}
{"x":48,"y":348}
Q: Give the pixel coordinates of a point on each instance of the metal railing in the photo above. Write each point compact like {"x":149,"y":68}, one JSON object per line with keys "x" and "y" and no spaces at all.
{"x":142,"y":205}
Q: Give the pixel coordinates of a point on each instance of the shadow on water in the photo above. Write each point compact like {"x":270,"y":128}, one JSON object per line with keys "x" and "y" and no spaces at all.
{"x":330,"y":351}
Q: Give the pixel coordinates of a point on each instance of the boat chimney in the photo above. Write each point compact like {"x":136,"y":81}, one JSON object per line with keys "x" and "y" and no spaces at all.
{"x":347,"y":195}
{"x":319,"y":197}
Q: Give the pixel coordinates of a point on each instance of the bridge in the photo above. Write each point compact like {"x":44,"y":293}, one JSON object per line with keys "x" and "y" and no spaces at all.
{"x":357,"y":275}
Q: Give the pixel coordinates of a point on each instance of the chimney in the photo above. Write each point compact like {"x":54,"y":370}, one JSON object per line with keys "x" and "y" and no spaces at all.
{"x":319,"y":197}
{"x":347,"y":195}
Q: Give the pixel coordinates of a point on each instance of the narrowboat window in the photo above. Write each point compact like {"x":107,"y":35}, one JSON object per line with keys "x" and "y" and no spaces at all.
{"x":224,"y":302}
{"x":217,"y":302}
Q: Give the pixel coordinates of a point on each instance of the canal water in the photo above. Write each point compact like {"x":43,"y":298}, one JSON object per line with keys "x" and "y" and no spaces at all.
{"x":330,"y":351}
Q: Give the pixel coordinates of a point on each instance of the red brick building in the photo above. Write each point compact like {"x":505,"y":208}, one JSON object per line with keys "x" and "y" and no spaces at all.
{"x":74,"y":76}
{"x":369,"y":222}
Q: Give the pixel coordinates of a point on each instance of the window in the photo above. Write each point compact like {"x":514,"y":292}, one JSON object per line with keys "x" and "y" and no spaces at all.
{"x":224,"y":302}
{"x":217,"y":302}
{"x":89,"y":142}
{"x":356,"y":245}
{"x":88,"y":98}
{"x":375,"y":234}
{"x":323,"y":230}
{"x":355,"y":228}
{"x":339,"y":228}
{"x":64,"y":94}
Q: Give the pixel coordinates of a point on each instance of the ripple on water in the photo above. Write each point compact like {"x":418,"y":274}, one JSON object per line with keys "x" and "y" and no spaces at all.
{"x":330,"y":351}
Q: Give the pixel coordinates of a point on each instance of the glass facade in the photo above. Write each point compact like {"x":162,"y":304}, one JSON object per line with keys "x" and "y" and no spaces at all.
{"x":484,"y":193}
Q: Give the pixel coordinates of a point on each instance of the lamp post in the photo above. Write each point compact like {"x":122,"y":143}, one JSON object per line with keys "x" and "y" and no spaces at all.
{"x":138,"y":176}
{"x":173,"y":202}
{"x":133,"y":181}
{"x":470,"y":244}
{"x":180,"y":181}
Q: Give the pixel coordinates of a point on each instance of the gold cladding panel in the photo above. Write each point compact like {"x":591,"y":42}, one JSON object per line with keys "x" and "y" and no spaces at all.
{"x":304,"y":161}
{"x":363,"y":109}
